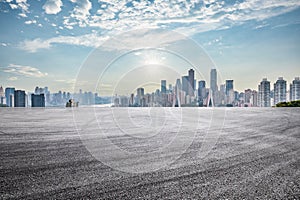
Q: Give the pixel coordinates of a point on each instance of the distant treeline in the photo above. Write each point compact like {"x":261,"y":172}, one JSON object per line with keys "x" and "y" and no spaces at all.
{"x":289,"y":104}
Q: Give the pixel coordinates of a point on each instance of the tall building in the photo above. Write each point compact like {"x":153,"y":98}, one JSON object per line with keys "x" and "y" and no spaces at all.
{"x":9,"y":93}
{"x":279,"y":91}
{"x":264,"y":99}
{"x":185,"y":84}
{"x":37,"y":100}
{"x":140,"y":96}
{"x":1,"y":95}
{"x":248,"y":95}
{"x":254,"y":98}
{"x":295,"y":89}
{"x":163,"y":84}
{"x":229,"y":86}
{"x":201,"y":92}
{"x":191,"y":85}
{"x":213,"y":80}
{"x":19,"y":98}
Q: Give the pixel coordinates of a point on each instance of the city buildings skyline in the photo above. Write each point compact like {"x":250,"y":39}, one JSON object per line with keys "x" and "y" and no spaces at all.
{"x":182,"y":94}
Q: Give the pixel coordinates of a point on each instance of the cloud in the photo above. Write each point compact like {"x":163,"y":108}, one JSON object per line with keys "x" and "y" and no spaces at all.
{"x":30,"y":22}
{"x":22,"y":15}
{"x":4,"y":44}
{"x":81,"y":12}
{"x":187,"y":17}
{"x":125,"y":41}
{"x":52,"y":6}
{"x":12,"y":78}
{"x":88,"y":40}
{"x":27,"y":71}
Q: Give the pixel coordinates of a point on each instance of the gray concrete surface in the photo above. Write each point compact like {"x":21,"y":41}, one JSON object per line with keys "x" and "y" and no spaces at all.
{"x":45,"y":156}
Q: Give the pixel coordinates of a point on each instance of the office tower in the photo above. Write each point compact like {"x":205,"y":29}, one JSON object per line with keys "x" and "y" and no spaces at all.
{"x":1,"y":91}
{"x":1,"y":95}
{"x":140,"y":92}
{"x":248,"y":95}
{"x":185,"y":84}
{"x":279,"y":91}
{"x":9,"y":93}
{"x":19,"y":98}
{"x":37,"y":100}
{"x":201,"y":92}
{"x":213,"y":80}
{"x":254,"y":98}
{"x":191,"y":85}
{"x":163,"y":86}
{"x":264,"y":99}
{"x":229,"y":86}
{"x":140,"y":96}
{"x":295,"y":89}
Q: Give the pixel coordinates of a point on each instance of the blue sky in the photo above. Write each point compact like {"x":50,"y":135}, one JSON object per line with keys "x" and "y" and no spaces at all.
{"x":44,"y":43}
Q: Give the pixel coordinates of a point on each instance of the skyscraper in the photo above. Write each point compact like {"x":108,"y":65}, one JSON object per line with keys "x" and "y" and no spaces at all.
{"x":185,"y":84}
{"x":19,"y":98}
{"x":201,"y":92}
{"x":163,"y":85}
{"x":9,"y":93}
{"x":264,"y":99}
{"x":191,"y":85}
{"x":1,"y":95}
{"x":295,"y":89}
{"x":229,"y":86}
{"x":213,"y":80}
{"x":279,"y":91}
{"x":37,"y":100}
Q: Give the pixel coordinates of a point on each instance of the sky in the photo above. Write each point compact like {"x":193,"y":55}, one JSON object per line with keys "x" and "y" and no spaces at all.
{"x":66,"y":45}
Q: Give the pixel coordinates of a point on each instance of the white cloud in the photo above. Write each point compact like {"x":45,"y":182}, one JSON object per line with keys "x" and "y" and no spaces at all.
{"x":22,"y":15}
{"x":88,"y":40}
{"x":81,"y":12}
{"x":30,"y":22}
{"x":52,"y":6}
{"x":12,"y":78}
{"x":13,"y":6}
{"x":27,"y":71}
{"x":187,"y":17}
{"x":130,"y":40}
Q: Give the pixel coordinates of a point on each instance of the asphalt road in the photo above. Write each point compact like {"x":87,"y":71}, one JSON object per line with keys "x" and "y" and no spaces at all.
{"x":61,"y":154}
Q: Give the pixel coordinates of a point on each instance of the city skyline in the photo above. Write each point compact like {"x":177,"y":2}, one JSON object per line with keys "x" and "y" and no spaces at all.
{"x":46,"y":43}
{"x":177,"y":94}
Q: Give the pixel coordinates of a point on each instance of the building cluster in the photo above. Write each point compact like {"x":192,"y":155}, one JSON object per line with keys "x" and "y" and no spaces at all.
{"x":186,"y":92}
{"x":42,"y":97}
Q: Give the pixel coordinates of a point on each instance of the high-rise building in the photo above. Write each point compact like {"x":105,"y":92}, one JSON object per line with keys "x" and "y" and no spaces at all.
{"x":201,"y":92}
{"x":185,"y":84}
{"x":229,"y":86}
{"x":191,"y":85}
{"x":264,"y":99}
{"x":163,"y":84}
{"x":279,"y":91}
{"x":248,"y":95}
{"x":1,"y":95}
{"x":140,"y":96}
{"x":9,"y":93}
{"x":37,"y":100}
{"x":19,"y":98}
{"x":254,"y":98}
{"x":295,"y":89}
{"x":213,"y":80}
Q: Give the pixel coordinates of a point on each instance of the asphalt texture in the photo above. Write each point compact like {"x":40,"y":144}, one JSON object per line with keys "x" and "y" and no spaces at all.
{"x":48,"y":154}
